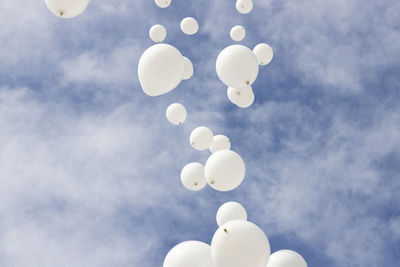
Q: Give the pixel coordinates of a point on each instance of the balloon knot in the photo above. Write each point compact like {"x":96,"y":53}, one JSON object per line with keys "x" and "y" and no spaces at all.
{"x":225,"y":230}
{"x":61,"y":13}
{"x":212,"y":182}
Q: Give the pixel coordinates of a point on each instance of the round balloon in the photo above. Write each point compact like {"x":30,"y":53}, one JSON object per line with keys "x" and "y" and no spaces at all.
{"x":286,"y":258}
{"x":189,"y":254}
{"x":244,"y":6}
{"x":224,"y":170}
{"x":238,"y":33}
{"x":189,"y":25}
{"x":160,"y":69}
{"x":237,"y":66}
{"x":163,"y":3}
{"x":240,"y":96}
{"x":201,"y":138}
{"x":157,"y":33}
{"x":264,"y":53}
{"x":176,"y":113}
{"x":188,"y":72}
{"x":67,"y":8}
{"x":221,"y":142}
{"x":240,"y":243}
{"x":230,"y":211}
{"x":192,"y":176}
{"x":248,"y":103}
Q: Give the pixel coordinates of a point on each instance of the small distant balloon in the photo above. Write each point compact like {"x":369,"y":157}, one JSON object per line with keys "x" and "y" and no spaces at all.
{"x":264,"y":53}
{"x":221,"y":142}
{"x":230,"y":211}
{"x":244,"y":6}
{"x":238,"y":33}
{"x":240,"y":96}
{"x":189,"y":25}
{"x":201,"y":138}
{"x":237,"y":66}
{"x":248,"y":103}
{"x":160,"y":69}
{"x":224,"y":170}
{"x":176,"y":113}
{"x":189,"y":254}
{"x":188,"y":72}
{"x":286,"y":258}
{"x":67,"y":8}
{"x":192,"y":176}
{"x":163,"y":3}
{"x":158,"y":33}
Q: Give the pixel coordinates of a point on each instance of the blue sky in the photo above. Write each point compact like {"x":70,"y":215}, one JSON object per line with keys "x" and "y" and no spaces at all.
{"x":89,"y":166}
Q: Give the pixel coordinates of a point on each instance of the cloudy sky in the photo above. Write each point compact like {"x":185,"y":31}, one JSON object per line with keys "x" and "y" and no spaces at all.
{"x":89,"y":166}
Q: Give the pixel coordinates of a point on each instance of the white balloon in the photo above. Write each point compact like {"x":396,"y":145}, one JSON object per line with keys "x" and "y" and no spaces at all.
{"x":188,"y":72}
{"x":189,"y":25}
{"x":224,"y":170}
{"x":237,"y":66}
{"x":221,"y":142}
{"x":244,"y":6}
{"x":248,"y":103}
{"x":238,"y":33}
{"x":176,"y":113}
{"x":240,"y":96}
{"x":201,"y":138}
{"x":230,"y":211}
{"x":286,"y":258}
{"x":162,"y":3}
{"x":158,"y":33}
{"x":192,"y":176}
{"x":67,"y":8}
{"x":160,"y":69}
{"x":264,"y":53}
{"x":189,"y":254}
{"x":240,"y":244}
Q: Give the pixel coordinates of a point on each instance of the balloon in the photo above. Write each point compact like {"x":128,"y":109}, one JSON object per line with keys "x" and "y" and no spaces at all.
{"x":286,"y":258}
{"x":189,"y":25}
{"x":67,"y":8}
{"x":176,"y":113}
{"x":201,"y":138}
{"x":244,"y":6}
{"x":248,"y":103}
{"x":230,"y":211}
{"x":264,"y":53}
{"x":221,"y":142}
{"x":192,"y":176}
{"x":240,"y":243}
{"x":224,"y":170}
{"x":237,"y":66}
{"x":157,"y":33}
{"x":163,"y":3}
{"x":240,"y":96}
{"x":238,"y":33}
{"x":189,"y":254}
{"x":160,"y":69}
{"x":188,"y":72}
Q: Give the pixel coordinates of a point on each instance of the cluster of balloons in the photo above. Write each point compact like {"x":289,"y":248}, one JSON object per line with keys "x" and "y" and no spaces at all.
{"x":236,"y":243}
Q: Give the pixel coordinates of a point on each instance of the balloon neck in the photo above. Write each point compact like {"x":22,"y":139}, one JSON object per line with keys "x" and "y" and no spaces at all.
{"x":225,"y":230}
{"x":212,"y":182}
{"x":247,"y":82}
{"x":61,"y":13}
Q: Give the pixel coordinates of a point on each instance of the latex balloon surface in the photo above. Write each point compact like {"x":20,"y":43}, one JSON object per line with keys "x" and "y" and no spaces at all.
{"x":176,"y":113}
{"x":189,"y":254}
{"x":188,"y":72}
{"x":158,"y":33}
{"x":240,"y":96}
{"x":163,"y":3}
{"x":221,"y":142}
{"x":244,"y":6}
{"x":224,"y":170}
{"x":264,"y":53}
{"x":240,"y":244}
{"x":237,"y":66}
{"x":67,"y":8}
{"x":201,"y":138}
{"x":160,"y":69}
{"x":230,"y":211}
{"x":238,"y":33}
{"x":286,"y":258}
{"x":189,"y":25}
{"x":192,"y":176}
{"x":248,"y":103}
